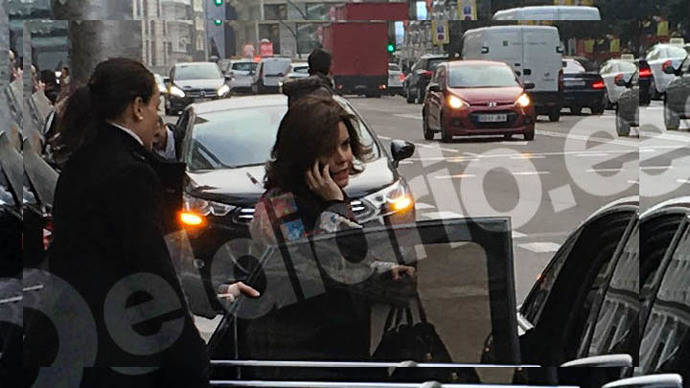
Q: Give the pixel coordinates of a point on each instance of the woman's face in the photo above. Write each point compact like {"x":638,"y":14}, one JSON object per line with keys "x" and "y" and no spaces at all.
{"x":340,"y":161}
{"x":147,"y":118}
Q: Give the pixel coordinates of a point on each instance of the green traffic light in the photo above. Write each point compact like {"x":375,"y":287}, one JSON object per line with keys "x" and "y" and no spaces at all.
{"x":218,"y":3}
{"x":390,"y":48}
{"x":218,"y":22}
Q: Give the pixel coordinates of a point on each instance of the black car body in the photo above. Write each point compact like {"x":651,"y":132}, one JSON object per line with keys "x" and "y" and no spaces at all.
{"x":628,"y":106}
{"x":420,"y":74}
{"x":677,"y":98}
{"x":191,"y":82}
{"x":620,"y":300}
{"x":10,"y":209}
{"x":225,"y":175}
{"x":582,"y":87}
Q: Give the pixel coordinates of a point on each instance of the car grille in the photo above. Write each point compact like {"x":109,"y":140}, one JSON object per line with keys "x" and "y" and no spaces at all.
{"x":361,"y":211}
{"x":196,"y":93}
{"x":512,"y":118}
{"x":486,"y":103}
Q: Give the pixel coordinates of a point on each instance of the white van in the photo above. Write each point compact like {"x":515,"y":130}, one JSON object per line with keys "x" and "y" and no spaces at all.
{"x":549,"y":12}
{"x":269,"y":74}
{"x":534,"y":52}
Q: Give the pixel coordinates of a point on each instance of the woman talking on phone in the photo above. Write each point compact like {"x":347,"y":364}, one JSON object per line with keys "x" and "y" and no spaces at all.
{"x":316,"y":151}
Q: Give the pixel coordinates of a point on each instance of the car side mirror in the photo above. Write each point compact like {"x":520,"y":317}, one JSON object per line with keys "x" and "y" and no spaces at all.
{"x":528,"y":85}
{"x":228,"y":77}
{"x":667,"y":380}
{"x":166,"y":80}
{"x":401,"y":149}
{"x":434,"y":87}
{"x":608,"y":360}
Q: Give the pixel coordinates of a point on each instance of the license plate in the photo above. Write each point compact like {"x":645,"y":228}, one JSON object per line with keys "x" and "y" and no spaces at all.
{"x":497,"y":118}
{"x":574,"y":83}
{"x":202,"y":99}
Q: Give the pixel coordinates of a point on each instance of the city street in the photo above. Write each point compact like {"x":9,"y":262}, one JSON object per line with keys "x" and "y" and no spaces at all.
{"x":548,"y":186}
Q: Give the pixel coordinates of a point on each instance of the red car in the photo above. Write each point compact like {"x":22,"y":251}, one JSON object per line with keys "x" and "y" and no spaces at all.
{"x":477,"y":98}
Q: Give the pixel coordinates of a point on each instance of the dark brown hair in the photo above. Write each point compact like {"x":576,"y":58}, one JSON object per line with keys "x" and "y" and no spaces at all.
{"x":309,"y":130}
{"x":114,"y":84}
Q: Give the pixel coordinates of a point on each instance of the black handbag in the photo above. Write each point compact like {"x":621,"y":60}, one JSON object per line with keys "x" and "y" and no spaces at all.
{"x":404,"y":340}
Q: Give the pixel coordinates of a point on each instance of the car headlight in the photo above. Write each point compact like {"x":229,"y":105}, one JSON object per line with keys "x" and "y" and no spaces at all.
{"x":195,"y":210}
{"x":392,"y":199}
{"x":456,"y":102}
{"x":175,"y":91}
{"x":524,"y":100}
{"x":223,"y":90}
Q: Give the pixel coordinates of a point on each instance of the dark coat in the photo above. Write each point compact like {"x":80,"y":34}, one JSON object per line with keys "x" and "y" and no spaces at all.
{"x":109,"y":225}
{"x":317,"y":84}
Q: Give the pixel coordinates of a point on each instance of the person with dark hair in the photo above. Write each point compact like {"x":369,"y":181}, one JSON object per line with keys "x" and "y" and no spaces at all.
{"x":316,"y":151}
{"x":108,"y":245}
{"x":51,"y":87}
{"x":319,"y":81}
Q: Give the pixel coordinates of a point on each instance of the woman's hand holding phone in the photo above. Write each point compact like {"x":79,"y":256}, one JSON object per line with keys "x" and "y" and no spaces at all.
{"x":320,"y":182}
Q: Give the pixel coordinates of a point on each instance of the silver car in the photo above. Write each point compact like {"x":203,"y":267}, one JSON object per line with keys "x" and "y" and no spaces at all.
{"x":240,"y":73}
{"x":395,"y":79}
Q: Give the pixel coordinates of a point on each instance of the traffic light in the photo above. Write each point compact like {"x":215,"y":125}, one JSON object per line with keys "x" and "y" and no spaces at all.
{"x":390,"y":48}
{"x":218,"y":3}
{"x":217,"y":22}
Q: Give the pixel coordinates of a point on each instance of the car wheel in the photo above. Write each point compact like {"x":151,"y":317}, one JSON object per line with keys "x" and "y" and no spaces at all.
{"x":575,"y":109}
{"x":529,"y":136}
{"x":622,"y":126}
{"x":428,"y":133}
{"x":597,"y":109}
{"x":409,"y":98}
{"x":671,"y":119}
{"x":555,"y":115}
{"x":445,"y":137}
{"x":420,"y":96}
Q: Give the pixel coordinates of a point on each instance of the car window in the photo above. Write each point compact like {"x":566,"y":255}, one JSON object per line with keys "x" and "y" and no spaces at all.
{"x":666,"y":340}
{"x":652,"y":55}
{"x":616,"y":326}
{"x":676,"y":52}
{"x":244,"y":66}
{"x":605,"y":69}
{"x":241,"y":137}
{"x":276,"y":67}
{"x":301,"y":69}
{"x":393,"y":67}
{"x":473,"y":76}
{"x":573,"y":67}
{"x":197,"y":71}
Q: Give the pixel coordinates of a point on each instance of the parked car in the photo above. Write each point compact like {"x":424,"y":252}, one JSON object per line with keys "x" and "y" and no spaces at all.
{"x":194,"y":82}
{"x":628,"y":106}
{"x":609,"y":71}
{"x":582,"y":87}
{"x":677,"y":99}
{"x":240,"y":72}
{"x":477,"y":98}
{"x":656,"y":57}
{"x":226,"y":145}
{"x":270,"y":72}
{"x":298,"y":70}
{"x":395,"y":80}
{"x":415,"y":83}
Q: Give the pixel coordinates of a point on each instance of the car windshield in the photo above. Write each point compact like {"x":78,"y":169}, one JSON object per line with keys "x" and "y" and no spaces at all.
{"x":240,"y":137}
{"x":393,"y":67}
{"x":573,"y":67}
{"x":197,"y":71}
{"x":627,"y":67}
{"x":481,"y":76}
{"x":433,"y":63}
{"x":244,"y":66}
{"x":676,"y":52}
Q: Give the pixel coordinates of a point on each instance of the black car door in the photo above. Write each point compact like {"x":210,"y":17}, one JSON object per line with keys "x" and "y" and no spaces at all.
{"x":560,"y":302}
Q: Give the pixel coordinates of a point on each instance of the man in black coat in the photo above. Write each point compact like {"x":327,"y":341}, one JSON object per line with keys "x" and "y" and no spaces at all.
{"x":319,"y":81}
